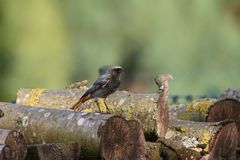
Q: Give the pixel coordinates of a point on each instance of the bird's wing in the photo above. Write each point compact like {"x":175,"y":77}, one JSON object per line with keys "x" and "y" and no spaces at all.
{"x":101,"y":82}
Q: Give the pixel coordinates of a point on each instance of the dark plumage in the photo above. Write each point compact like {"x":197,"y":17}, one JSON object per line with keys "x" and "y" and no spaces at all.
{"x":105,"y":85}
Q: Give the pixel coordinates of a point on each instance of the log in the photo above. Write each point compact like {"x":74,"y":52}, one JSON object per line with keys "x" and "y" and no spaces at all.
{"x":225,"y":108}
{"x":130,"y":146}
{"x":192,"y":140}
{"x":5,"y":152}
{"x":57,"y":151}
{"x":42,"y":125}
{"x":196,"y":110}
{"x":130,"y":105}
{"x":162,"y":115}
{"x":13,"y":145}
{"x":231,"y":93}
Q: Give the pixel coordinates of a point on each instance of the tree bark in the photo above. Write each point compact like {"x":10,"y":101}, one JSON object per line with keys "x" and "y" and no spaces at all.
{"x":189,"y":140}
{"x":57,"y":151}
{"x":196,"y":110}
{"x":139,"y":106}
{"x":13,"y":145}
{"x":42,"y":125}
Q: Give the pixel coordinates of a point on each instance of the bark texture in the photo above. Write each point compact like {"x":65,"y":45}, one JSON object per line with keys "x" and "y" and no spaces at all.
{"x":141,"y":106}
{"x":186,"y":139}
{"x":56,"y":151}
{"x":162,"y":115}
{"x":42,"y":125}
{"x":13,"y":146}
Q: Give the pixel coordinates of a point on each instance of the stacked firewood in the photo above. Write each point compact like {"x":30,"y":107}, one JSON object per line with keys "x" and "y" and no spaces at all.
{"x":46,"y":129}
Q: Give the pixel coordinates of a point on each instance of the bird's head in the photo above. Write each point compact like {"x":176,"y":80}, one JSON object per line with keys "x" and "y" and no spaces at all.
{"x":115,"y":71}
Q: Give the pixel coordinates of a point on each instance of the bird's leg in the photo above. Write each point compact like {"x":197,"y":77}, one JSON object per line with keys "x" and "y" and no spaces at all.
{"x":98,"y":105}
{"x":108,"y":111}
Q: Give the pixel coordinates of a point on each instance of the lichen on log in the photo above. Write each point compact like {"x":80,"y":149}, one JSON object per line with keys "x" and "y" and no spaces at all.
{"x":140,"y":106}
{"x":196,"y":110}
{"x":212,"y":137}
{"x":42,"y":125}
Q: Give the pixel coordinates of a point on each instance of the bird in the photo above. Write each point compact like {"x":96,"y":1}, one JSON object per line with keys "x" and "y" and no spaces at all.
{"x":105,"y":85}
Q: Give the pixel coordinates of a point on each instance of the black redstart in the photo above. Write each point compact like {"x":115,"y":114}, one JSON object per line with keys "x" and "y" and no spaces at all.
{"x":105,"y":85}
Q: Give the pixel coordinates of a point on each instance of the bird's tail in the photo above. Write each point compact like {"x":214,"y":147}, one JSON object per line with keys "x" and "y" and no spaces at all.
{"x":80,"y":102}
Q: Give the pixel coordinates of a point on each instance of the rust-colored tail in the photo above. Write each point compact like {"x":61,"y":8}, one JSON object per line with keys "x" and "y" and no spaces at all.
{"x":80,"y":102}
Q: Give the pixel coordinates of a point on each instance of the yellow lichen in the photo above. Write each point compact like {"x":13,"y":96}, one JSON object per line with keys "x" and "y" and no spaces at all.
{"x":201,"y":105}
{"x":129,"y":111}
{"x":181,"y":129}
{"x":204,"y":139}
{"x":87,"y":110}
{"x":185,"y":116}
{"x":33,"y":98}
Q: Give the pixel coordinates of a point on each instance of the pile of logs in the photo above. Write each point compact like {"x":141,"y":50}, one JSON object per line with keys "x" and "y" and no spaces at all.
{"x":40,"y":126}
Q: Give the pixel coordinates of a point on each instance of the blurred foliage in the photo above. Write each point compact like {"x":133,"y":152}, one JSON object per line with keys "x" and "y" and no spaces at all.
{"x":52,"y":43}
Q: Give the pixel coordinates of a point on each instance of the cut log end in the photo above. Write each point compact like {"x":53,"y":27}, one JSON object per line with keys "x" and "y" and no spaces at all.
{"x":121,"y":139}
{"x":13,"y":144}
{"x":114,"y":145}
{"x":225,"y":109}
{"x":224,"y":144}
{"x":137,"y":141}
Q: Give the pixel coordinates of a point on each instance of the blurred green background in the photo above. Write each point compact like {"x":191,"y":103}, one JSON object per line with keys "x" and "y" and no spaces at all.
{"x":51,"y":43}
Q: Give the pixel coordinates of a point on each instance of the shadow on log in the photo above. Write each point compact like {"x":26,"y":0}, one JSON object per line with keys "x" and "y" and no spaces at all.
{"x":57,"y":151}
{"x":13,"y":145}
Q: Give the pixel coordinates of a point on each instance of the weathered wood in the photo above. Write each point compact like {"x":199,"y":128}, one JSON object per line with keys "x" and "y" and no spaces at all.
{"x":130,"y":105}
{"x":153,"y":151}
{"x":5,"y":152}
{"x":13,"y":145}
{"x":162,"y":115}
{"x":224,"y":144}
{"x":212,"y":137}
{"x":113,"y":146}
{"x":129,"y":145}
{"x":196,"y":110}
{"x":42,"y":125}
{"x":225,"y":109}
{"x":137,"y":141}
{"x":188,"y":140}
{"x":57,"y":151}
